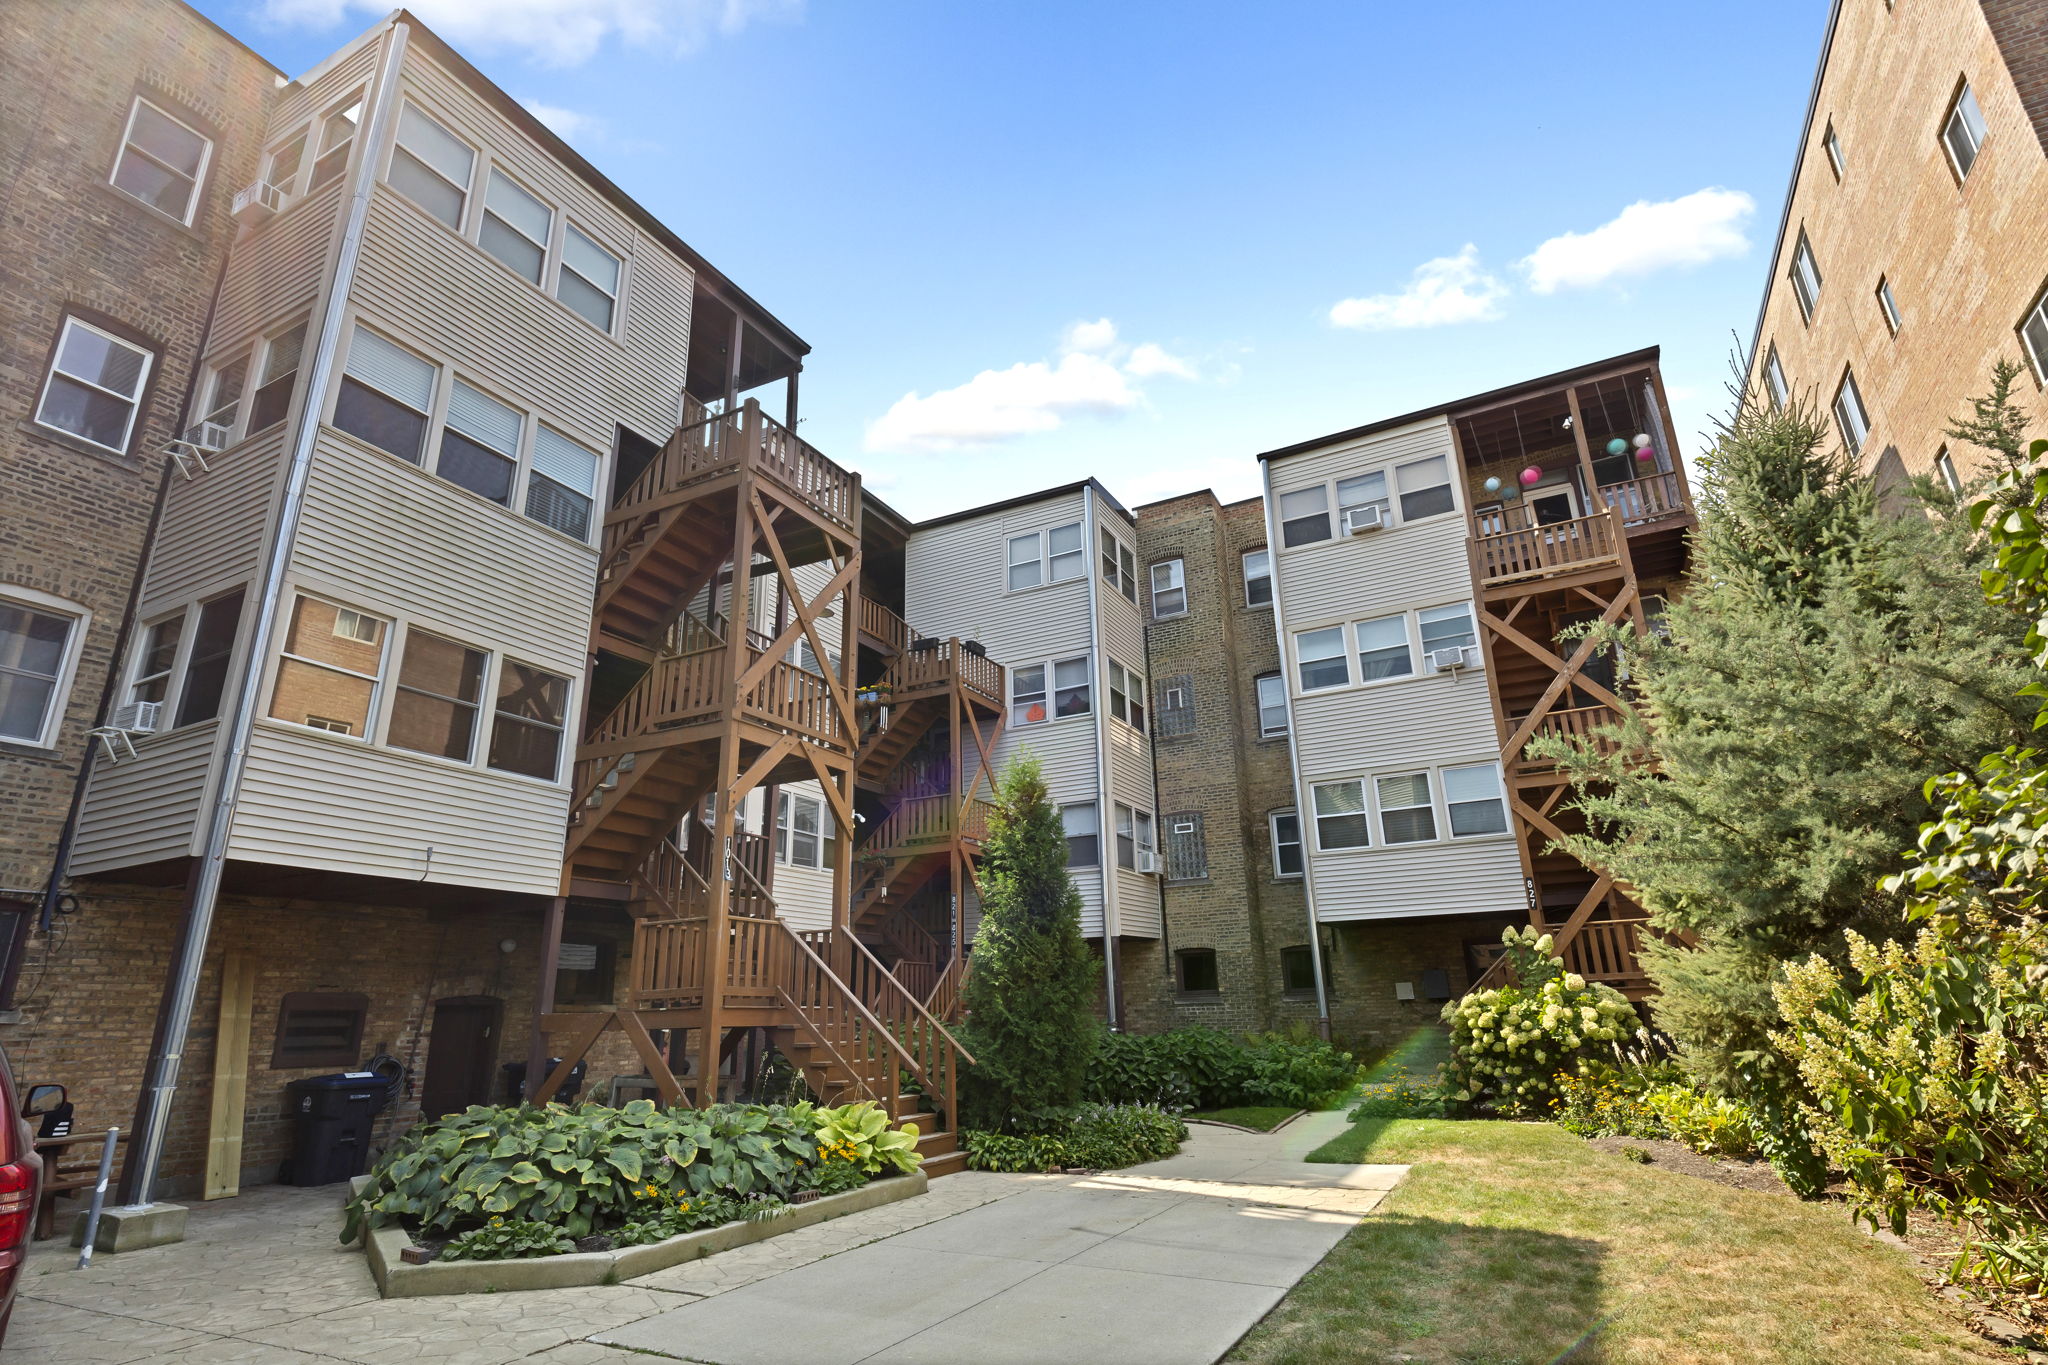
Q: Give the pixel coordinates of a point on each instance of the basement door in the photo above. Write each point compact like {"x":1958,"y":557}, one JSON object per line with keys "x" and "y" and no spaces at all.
{"x":460,"y":1054}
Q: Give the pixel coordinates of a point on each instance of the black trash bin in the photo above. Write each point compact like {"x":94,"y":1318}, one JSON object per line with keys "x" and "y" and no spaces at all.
{"x":331,"y":1117}
{"x":515,"y":1080}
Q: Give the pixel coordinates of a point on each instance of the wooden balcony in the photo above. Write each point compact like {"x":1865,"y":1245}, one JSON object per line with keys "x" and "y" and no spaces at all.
{"x":1607,"y":951}
{"x":1515,"y":554}
{"x":1648,"y":501}
{"x":1577,"y":722}
{"x":884,"y":629}
{"x":707,"y":447}
{"x":934,"y":668}
{"x":683,"y":691}
{"x":926,"y":823}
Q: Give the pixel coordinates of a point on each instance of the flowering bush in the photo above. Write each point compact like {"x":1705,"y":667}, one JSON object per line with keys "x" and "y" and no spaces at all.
{"x":1709,"y":1124}
{"x":499,"y":1240}
{"x":1508,"y":1046}
{"x":1603,"y":1106}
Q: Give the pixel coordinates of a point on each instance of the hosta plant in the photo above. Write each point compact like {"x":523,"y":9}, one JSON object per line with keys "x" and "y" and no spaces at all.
{"x":508,"y":1240}
{"x":860,"y":1133}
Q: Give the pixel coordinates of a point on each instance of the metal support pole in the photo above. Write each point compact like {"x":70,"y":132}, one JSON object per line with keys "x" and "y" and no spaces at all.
{"x":99,"y":1196}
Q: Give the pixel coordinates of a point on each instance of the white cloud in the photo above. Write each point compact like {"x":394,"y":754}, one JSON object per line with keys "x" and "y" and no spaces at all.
{"x":1703,"y":226}
{"x":569,"y":124}
{"x":1150,"y":358}
{"x":554,"y":32}
{"x":1447,"y":290}
{"x":1093,"y":374}
{"x":1095,"y":336}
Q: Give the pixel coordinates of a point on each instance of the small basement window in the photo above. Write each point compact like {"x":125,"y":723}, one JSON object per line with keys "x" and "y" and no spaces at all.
{"x":1195,"y":971}
{"x":319,"y":1028}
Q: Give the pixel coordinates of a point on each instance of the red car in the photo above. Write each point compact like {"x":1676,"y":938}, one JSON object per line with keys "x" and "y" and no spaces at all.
{"x":21,"y":1180}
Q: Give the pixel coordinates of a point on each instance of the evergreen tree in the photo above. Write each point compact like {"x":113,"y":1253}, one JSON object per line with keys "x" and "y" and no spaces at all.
{"x":1030,"y":999}
{"x":1826,"y":660}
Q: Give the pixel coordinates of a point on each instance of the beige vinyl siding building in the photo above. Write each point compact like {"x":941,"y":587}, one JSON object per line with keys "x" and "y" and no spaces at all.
{"x":1026,"y":579}
{"x":1376,"y":726}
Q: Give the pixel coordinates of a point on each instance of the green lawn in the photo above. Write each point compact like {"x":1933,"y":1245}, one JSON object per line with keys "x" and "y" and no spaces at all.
{"x":1262,"y":1117}
{"x":1514,"y":1242}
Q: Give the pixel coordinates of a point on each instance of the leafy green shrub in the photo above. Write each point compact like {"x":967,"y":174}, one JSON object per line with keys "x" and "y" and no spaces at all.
{"x":580,"y":1169}
{"x":1098,"y":1136}
{"x":1508,"y":1046}
{"x":499,"y":1240}
{"x":1404,"y":1095}
{"x":1204,"y":1068}
{"x":1709,"y":1124}
{"x":835,"y":1175}
{"x":662,"y":1217}
{"x":1298,"y":1069}
{"x":1639,"y":1155}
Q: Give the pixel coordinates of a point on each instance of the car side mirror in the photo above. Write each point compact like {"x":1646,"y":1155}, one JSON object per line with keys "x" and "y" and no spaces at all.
{"x":42,"y":1099}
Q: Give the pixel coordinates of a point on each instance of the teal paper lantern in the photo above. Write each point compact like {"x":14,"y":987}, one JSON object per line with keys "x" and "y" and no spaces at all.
{"x":1617,"y":446}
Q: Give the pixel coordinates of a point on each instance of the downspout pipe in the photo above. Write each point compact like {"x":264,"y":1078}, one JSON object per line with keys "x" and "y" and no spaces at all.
{"x":1303,"y":819}
{"x":181,"y":988}
{"x":1105,"y":819}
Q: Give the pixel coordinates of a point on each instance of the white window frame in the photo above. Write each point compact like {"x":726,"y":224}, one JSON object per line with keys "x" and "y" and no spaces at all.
{"x":1119,"y":564}
{"x":1389,"y":499}
{"x":617,"y":294}
{"x":1131,"y":686}
{"x":1176,"y":570}
{"x":1143,"y":837}
{"x":198,"y":178}
{"x":1439,"y":807}
{"x":1831,"y":143}
{"x":1342,"y":654}
{"x":211,"y":409}
{"x":1945,"y":470}
{"x":1042,"y":555}
{"x":1888,"y":305}
{"x":1355,"y":642}
{"x":302,"y":169}
{"x":494,"y":689}
{"x":1264,"y":554}
{"x":134,"y":400}
{"x":1805,"y":275}
{"x":1364,"y":813}
{"x":492,"y":173}
{"x":1852,"y":419}
{"x":1049,"y":695}
{"x":1432,"y":793}
{"x":262,"y":356}
{"x":1963,"y":115}
{"x":1499,"y":797}
{"x":2033,"y":335}
{"x":1775,"y":383}
{"x":485,"y":694}
{"x":786,"y":832}
{"x":1475,"y":655}
{"x":1279,"y":685}
{"x":464,"y":189}
{"x":80,"y":617}
{"x":142,"y":675}
{"x":1277,"y":843}
{"x":316,"y":142}
{"x":1094,"y":810}
{"x":373,"y":709}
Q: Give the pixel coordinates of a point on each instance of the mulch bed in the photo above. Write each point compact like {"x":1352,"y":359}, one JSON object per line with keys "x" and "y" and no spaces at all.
{"x":1676,"y":1156}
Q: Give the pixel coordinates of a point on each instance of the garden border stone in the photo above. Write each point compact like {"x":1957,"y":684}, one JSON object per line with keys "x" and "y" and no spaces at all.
{"x":397,"y":1280}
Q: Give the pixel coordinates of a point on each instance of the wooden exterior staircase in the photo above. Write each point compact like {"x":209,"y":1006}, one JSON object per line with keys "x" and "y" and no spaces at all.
{"x":733,"y":504}
{"x":1535,"y":576}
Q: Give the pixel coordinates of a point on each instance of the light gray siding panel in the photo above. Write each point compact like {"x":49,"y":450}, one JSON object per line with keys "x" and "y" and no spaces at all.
{"x":145,"y":808}
{"x":1403,"y":566}
{"x":316,"y":802}
{"x":1438,"y":879}
{"x":215,"y":525}
{"x":1065,"y":749}
{"x":955,"y":585}
{"x":1422,"y":721}
{"x":1088,"y":881}
{"x":397,"y":535}
{"x":1138,"y":912}
{"x":803,"y":896}
{"x":449,"y":296}
{"x":276,"y":270}
{"x":1130,"y":767}
{"x":314,"y":91}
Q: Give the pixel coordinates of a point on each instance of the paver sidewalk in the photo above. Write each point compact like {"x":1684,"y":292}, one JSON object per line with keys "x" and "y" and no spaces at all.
{"x":1169,"y":1262}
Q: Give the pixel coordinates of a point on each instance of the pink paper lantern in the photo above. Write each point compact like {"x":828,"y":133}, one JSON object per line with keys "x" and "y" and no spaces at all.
{"x":1530,"y":476}
{"x":1646,"y":454}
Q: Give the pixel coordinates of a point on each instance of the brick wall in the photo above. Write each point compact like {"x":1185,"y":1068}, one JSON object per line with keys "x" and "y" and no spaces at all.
{"x":1963,"y":260}
{"x":89,"y":997}
{"x":76,"y":518}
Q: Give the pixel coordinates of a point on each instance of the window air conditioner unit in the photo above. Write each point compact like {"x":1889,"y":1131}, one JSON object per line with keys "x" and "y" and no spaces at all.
{"x":257,"y":203}
{"x":1444,"y":660}
{"x":1359,"y":520}
{"x":210,"y":437}
{"x":1148,"y":861}
{"x":137,"y":717}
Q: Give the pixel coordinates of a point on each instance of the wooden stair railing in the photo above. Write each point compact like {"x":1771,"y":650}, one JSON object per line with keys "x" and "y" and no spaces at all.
{"x":932,"y":1055}
{"x":944,"y":1000}
{"x":864,"y":1049}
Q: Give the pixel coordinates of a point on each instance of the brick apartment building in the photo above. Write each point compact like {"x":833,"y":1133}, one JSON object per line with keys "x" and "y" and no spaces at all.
{"x":1910,"y":257}
{"x":357,"y":798}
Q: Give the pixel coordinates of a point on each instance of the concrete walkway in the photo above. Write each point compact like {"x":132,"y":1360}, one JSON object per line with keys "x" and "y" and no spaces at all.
{"x":1170,"y":1262}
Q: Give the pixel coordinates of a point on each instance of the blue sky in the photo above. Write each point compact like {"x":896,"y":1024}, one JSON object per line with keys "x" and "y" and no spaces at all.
{"x":1033,"y":242}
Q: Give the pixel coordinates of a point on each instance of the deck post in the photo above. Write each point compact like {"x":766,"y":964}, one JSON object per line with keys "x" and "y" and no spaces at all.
{"x":544,"y":997}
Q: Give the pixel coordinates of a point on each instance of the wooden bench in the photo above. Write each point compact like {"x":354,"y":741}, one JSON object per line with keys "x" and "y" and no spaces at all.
{"x":71,"y":1162}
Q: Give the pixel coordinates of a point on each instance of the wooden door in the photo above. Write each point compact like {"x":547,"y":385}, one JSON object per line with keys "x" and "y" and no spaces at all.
{"x":461,"y":1054}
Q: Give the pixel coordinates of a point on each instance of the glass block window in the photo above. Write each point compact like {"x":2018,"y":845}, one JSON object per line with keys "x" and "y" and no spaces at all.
{"x":1187,"y":853}
{"x":1175,"y":712}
